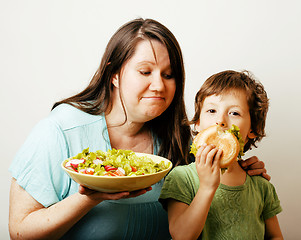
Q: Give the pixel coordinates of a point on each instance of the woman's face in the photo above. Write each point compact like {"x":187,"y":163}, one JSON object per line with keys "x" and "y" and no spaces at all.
{"x":146,"y":83}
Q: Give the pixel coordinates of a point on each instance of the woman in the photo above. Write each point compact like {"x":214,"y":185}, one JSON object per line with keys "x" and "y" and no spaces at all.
{"x":134,"y":101}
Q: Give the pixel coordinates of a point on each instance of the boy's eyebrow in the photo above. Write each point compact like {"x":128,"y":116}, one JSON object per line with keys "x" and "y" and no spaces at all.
{"x":211,"y":103}
{"x":235,"y":105}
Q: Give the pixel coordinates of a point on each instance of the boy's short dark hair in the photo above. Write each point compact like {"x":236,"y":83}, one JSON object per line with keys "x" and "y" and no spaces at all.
{"x":256,"y":96}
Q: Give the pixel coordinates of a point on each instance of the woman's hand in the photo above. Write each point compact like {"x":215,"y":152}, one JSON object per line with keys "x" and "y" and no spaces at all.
{"x":207,"y":165}
{"x":100,"y":196}
{"x":254,"y":167}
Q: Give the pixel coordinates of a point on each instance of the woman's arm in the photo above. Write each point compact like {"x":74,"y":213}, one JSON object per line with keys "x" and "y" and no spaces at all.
{"x":272,"y":229}
{"x":28,"y":219}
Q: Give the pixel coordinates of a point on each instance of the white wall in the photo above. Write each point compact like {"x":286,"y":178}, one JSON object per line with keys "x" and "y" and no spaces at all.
{"x":50,"y":49}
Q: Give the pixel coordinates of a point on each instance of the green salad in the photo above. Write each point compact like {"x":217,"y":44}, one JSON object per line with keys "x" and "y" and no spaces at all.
{"x":113,"y":163}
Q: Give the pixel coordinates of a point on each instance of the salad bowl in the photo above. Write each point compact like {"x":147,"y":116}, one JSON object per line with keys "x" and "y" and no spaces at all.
{"x":112,"y":184}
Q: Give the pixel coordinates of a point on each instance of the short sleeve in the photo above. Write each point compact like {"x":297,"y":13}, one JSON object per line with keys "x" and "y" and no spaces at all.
{"x":36,"y":166}
{"x":177,"y":186}
{"x":271,"y":203}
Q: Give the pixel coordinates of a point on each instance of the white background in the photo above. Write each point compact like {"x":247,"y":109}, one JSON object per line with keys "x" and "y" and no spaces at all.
{"x":50,"y":50}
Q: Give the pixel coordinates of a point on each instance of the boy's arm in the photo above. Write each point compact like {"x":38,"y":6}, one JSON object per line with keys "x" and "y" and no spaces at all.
{"x":272,"y":229}
{"x":187,"y":221}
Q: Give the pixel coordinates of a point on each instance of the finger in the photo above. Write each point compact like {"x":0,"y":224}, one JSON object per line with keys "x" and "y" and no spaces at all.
{"x":101,"y":195}
{"x":266,"y":176}
{"x":207,"y":158}
{"x":217,"y":158}
{"x":198,"y":157}
{"x":211,"y":156}
{"x":257,"y":172}
{"x":114,"y":196}
{"x":81,"y":189}
{"x":249,"y":161}
{"x":252,"y":162}
{"x":257,"y":165}
{"x":84,"y":190}
{"x":254,"y":172}
{"x":136,"y":193}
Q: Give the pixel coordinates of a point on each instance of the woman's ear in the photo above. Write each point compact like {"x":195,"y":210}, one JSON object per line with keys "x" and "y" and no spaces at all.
{"x":115,"y":80}
{"x":251,"y":134}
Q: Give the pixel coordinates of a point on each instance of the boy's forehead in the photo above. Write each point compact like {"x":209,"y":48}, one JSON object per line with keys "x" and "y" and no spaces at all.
{"x":231,"y":94}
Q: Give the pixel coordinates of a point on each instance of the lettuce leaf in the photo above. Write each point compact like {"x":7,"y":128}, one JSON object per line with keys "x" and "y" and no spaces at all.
{"x":193,"y":149}
{"x":235,"y":130}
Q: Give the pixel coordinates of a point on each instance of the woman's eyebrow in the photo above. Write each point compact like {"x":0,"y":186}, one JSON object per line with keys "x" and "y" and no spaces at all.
{"x":145,"y":63}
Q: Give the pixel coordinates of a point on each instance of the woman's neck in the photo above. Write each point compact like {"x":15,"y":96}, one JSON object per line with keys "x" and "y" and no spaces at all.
{"x":130,"y":136}
{"x":234,"y":176}
{"x":125,"y":133}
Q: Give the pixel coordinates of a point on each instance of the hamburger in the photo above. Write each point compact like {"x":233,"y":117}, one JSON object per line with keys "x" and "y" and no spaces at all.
{"x":229,"y":141}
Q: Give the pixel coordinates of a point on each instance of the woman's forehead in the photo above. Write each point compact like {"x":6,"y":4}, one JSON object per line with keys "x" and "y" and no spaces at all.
{"x":152,"y":51}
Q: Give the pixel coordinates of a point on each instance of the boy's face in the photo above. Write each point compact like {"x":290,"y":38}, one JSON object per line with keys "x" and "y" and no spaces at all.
{"x":226,"y":109}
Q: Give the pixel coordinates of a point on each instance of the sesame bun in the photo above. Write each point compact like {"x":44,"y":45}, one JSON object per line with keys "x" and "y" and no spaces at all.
{"x":224,"y":140}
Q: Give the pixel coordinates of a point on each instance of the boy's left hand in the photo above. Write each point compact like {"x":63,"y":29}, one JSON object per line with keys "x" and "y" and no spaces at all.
{"x":254,"y":167}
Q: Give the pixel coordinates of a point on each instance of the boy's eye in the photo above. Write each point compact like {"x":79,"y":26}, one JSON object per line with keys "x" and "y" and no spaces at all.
{"x":211,"y":111}
{"x":235,"y":113}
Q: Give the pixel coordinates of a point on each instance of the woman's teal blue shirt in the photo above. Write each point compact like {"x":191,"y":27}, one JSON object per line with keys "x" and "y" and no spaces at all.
{"x":37,"y":169}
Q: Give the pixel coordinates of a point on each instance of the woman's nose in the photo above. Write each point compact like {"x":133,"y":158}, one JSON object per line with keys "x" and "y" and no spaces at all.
{"x":157,"y":83}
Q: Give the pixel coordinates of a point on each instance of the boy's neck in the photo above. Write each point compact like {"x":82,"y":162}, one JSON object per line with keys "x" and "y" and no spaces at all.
{"x":234,"y":176}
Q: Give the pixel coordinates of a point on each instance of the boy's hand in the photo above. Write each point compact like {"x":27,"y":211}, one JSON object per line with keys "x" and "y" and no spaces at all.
{"x":207,"y":165}
{"x":254,"y":167}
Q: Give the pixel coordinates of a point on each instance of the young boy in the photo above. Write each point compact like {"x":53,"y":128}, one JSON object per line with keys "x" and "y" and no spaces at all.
{"x":203,"y":203}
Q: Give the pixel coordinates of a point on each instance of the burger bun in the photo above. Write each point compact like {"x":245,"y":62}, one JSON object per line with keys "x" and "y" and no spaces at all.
{"x":223,"y":140}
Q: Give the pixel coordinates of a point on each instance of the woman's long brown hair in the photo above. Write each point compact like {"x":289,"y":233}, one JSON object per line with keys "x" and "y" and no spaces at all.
{"x":171,"y":127}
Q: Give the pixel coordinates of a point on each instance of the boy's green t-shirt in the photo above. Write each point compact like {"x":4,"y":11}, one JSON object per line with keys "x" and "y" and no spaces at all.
{"x":236,"y":212}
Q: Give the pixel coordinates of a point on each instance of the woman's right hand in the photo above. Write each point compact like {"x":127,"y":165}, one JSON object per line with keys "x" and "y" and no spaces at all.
{"x":100,"y":196}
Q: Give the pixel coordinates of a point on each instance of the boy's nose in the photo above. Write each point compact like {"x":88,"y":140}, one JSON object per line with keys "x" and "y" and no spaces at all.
{"x":221,"y":124}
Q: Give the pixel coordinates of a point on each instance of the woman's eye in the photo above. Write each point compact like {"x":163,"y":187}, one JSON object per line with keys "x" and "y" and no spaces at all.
{"x":145,"y":72}
{"x":167,"y":76}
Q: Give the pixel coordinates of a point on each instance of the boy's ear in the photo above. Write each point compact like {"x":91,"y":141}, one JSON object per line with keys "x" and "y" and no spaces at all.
{"x":251,"y":134}
{"x":197,"y":126}
{"x":115,"y":80}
